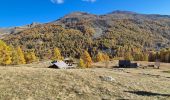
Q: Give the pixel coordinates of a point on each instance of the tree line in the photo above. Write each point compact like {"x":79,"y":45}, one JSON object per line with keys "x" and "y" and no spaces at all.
{"x":85,"y":60}
{"x":131,"y":53}
{"x":10,"y":55}
{"x":163,"y":55}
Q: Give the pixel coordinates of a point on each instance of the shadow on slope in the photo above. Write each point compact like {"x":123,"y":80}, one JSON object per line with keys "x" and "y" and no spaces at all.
{"x":145,"y":93}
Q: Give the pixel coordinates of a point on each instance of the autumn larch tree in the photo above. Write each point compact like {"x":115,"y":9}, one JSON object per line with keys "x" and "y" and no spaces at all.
{"x":99,"y":57}
{"x":128,"y":56}
{"x":21,"y":56}
{"x":87,"y":59}
{"x":106,"y":59}
{"x":15,"y":57}
{"x":5,"y":54}
{"x":57,"y":54}
{"x":81,"y":63}
{"x":30,"y":57}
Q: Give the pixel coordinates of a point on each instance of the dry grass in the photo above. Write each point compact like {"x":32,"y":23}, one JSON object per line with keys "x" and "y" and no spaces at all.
{"x":35,"y":83}
{"x":167,"y":71}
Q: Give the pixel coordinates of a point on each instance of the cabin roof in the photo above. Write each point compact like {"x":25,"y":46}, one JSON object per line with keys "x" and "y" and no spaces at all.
{"x":61,"y":64}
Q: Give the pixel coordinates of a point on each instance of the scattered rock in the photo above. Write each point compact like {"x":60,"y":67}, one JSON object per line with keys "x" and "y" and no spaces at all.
{"x":107,"y":78}
{"x":120,"y":69}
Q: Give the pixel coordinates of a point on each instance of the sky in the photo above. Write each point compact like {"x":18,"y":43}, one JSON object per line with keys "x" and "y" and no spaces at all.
{"x":22,"y":12}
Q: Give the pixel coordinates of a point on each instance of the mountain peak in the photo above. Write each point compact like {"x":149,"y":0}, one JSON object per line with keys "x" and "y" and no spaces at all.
{"x":78,"y":14}
{"x":123,"y":12}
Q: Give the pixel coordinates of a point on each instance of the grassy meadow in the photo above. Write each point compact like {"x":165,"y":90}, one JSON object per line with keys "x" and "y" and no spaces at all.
{"x":37,"y":82}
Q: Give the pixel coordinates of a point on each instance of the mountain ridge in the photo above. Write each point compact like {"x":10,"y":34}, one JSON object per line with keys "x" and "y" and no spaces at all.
{"x":85,"y":13}
{"x":79,"y":31}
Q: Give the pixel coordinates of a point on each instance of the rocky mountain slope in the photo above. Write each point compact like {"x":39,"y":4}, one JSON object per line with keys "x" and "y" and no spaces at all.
{"x":77,"y":31}
{"x":12,"y":30}
{"x":149,"y":30}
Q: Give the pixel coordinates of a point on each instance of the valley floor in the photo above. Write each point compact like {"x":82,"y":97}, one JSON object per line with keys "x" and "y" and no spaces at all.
{"x":38,"y":83}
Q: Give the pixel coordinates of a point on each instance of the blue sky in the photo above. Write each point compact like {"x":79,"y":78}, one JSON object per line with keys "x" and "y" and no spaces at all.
{"x":21,"y":12}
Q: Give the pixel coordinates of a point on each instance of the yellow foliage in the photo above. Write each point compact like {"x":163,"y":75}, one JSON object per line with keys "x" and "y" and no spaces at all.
{"x":30,"y":57}
{"x":10,"y":55}
{"x":106,"y":57}
{"x":128,"y":56}
{"x":57,"y":54}
{"x":14,"y":56}
{"x":99,"y":57}
{"x":5,"y":54}
{"x":21,"y":58}
{"x":89,"y":30}
{"x":87,"y":59}
{"x":81,"y":63}
{"x":7,"y":59}
{"x":102,"y":57}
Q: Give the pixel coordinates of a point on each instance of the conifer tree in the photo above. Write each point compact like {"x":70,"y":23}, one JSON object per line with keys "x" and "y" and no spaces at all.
{"x":137,"y":57}
{"x":7,"y":60}
{"x":20,"y":56}
{"x":5,"y":54}
{"x":30,"y":57}
{"x":128,"y":56}
{"x":57,"y":54}
{"x":106,"y":57}
{"x":2,"y":44}
{"x":87,"y":59}
{"x":99,"y":57}
{"x":15,"y":57}
{"x":33,"y":56}
{"x":49,"y":54}
{"x":145,"y":57}
{"x":81,"y":63}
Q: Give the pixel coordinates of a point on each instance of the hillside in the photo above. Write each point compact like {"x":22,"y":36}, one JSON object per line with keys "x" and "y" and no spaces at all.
{"x":78,"y":31}
{"x":35,"y":81}
{"x":12,"y":30}
{"x":123,"y":26}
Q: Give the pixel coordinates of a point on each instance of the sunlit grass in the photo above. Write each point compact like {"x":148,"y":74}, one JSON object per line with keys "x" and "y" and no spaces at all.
{"x":166,"y":71}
